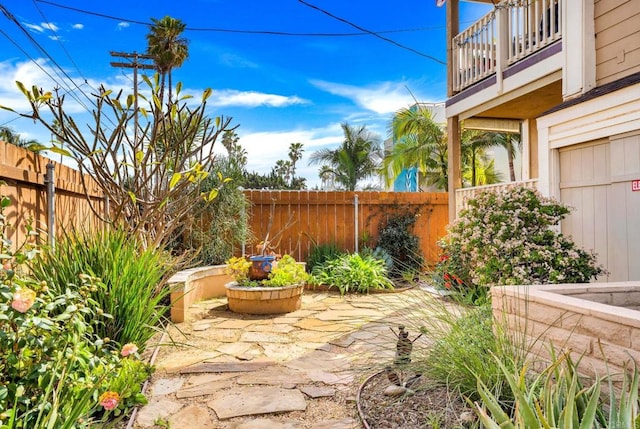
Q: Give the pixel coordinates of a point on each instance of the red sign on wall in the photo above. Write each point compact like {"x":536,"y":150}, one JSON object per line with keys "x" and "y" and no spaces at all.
{"x":635,"y":185}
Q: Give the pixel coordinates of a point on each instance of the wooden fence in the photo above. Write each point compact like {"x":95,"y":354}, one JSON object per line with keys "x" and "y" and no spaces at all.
{"x":330,"y":217}
{"x":24,"y":174}
{"x":317,"y":216}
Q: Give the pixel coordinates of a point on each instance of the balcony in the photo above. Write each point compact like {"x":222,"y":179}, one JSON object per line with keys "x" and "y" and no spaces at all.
{"x":508,"y":34}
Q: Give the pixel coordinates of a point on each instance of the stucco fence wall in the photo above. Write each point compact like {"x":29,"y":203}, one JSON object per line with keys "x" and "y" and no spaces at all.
{"x":593,"y":322}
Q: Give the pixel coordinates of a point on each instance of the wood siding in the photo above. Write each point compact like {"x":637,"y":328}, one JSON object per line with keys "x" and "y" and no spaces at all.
{"x":617,"y":28}
{"x":329,"y":217}
{"x":24,"y":172}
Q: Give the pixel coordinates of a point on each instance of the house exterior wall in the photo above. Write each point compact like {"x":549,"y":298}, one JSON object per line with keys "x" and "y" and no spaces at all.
{"x":617,"y":29}
{"x":590,"y":154}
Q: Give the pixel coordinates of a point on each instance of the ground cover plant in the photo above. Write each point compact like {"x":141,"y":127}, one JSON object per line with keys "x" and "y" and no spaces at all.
{"x":55,"y":371}
{"x":132,"y":276}
{"x":352,"y":273}
{"x":508,"y":238}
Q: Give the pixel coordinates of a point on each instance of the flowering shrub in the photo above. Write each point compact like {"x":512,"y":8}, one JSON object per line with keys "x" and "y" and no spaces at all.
{"x":507,"y":238}
{"x":52,"y":365}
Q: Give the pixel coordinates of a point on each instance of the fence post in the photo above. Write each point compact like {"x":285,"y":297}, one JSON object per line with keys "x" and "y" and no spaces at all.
{"x":49,"y":180}
{"x":355,"y":203}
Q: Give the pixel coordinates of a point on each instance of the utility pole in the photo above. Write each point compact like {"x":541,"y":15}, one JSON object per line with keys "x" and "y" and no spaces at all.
{"x":135,"y":64}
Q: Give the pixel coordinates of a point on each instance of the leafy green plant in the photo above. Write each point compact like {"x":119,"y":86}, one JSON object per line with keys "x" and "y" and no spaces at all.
{"x":352,"y":273}
{"x":133,"y":279}
{"x":403,"y":246}
{"x":223,"y":226}
{"x":287,"y":272}
{"x":507,"y":238}
{"x":321,"y":253}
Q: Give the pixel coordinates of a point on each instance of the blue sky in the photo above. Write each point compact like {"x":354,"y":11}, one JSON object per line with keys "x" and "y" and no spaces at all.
{"x":279,"y":89}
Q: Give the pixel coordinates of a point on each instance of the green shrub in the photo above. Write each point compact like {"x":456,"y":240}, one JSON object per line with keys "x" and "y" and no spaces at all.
{"x":133,"y":279}
{"x":224,"y":226}
{"x":507,"y":238}
{"x":404,"y":247}
{"x":321,"y":253}
{"x":352,"y":273}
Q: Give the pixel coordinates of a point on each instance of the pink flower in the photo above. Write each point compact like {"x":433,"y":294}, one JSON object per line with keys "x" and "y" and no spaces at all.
{"x":23,"y":299}
{"x":128,"y":349}
{"x":109,"y":400}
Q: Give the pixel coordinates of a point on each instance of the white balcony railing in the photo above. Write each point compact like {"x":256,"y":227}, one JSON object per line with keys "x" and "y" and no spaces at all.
{"x":463,"y":195}
{"x":512,"y":31}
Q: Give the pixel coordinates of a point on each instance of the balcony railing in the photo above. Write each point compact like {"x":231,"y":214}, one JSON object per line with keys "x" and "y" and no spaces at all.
{"x":463,"y":195}
{"x":512,"y":31}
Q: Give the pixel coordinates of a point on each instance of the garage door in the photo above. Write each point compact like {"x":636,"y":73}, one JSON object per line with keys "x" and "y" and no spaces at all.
{"x":596,"y":179}
{"x":585,"y":181}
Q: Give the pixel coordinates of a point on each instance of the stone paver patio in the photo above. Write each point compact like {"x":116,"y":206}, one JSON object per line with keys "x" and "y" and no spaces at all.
{"x":291,"y":371}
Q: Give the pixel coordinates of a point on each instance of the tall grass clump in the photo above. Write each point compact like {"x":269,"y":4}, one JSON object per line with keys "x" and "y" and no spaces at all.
{"x":465,"y":340}
{"x":133,"y":277}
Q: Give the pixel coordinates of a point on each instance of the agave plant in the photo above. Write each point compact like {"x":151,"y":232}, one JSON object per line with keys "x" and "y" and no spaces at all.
{"x":557,"y":398}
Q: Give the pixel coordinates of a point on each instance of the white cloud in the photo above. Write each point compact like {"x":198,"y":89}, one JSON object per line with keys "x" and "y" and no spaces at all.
{"x":231,"y":97}
{"x":265,"y":148}
{"x":236,"y":61}
{"x":34,"y":27}
{"x":385,"y":97}
{"x":122,"y":25}
{"x":49,"y":26}
{"x":78,"y":26}
{"x":55,"y":37}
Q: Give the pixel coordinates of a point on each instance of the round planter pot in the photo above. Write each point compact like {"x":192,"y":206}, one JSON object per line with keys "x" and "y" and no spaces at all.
{"x":264,"y":300}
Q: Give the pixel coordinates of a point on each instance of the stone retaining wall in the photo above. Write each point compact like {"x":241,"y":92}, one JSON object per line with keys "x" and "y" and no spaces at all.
{"x":589,"y":320}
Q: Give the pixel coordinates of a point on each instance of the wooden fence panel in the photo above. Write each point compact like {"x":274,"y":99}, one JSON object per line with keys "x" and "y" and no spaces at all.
{"x":322,"y":217}
{"x":299,"y":219}
{"x":24,"y":174}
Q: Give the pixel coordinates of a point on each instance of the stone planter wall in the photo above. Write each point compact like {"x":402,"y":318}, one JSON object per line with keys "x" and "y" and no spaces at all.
{"x":590,"y":320}
{"x":193,"y":285}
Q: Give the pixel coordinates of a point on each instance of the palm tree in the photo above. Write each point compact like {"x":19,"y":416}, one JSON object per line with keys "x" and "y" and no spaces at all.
{"x":420,"y":143}
{"x":474,"y":144}
{"x":512,"y":144}
{"x":295,"y":154}
{"x":167,"y":46}
{"x":9,"y":136}
{"x":358,"y":157}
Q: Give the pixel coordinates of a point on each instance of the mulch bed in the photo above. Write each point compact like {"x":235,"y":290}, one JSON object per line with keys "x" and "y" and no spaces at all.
{"x":429,"y":407}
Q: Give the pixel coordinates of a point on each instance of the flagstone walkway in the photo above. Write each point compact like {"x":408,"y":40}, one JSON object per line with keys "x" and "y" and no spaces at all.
{"x":292,"y":371}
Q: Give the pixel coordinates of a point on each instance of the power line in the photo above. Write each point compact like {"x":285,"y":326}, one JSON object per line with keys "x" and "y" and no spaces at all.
{"x":59,"y":41}
{"x":373,"y":33}
{"x":12,"y":18}
{"x":238,"y":31}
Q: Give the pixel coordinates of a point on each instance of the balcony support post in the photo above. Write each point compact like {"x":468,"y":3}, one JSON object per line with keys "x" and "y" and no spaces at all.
{"x":453,"y":27}
{"x":453,"y":152}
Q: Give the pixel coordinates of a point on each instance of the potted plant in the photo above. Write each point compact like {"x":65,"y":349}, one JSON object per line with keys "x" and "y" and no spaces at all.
{"x":280,"y":292}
